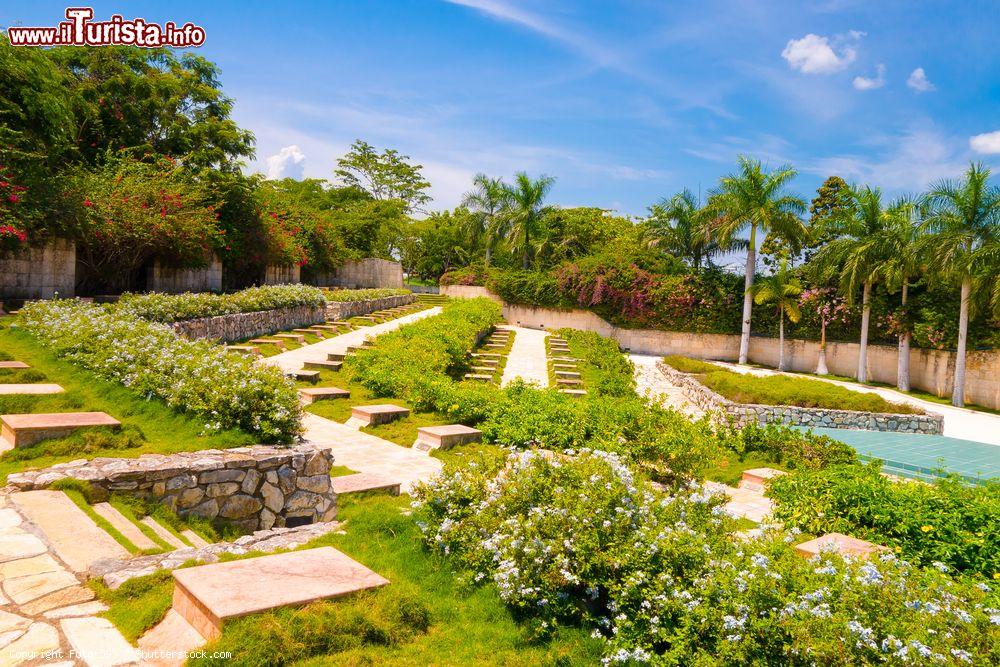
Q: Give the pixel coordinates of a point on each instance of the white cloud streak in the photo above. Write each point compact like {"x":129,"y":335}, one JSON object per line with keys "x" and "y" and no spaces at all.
{"x":868,"y":83}
{"x":816,"y":54}
{"x":987,"y":143}
{"x":919,"y":82}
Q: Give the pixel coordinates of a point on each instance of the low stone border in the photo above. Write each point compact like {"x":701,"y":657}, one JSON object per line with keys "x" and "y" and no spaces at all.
{"x":341,"y":310}
{"x":251,"y":487}
{"x":742,"y":414}
{"x":241,"y":326}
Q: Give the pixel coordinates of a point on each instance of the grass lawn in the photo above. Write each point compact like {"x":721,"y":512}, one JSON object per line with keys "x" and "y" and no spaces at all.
{"x":149,"y":426}
{"x":729,"y":468}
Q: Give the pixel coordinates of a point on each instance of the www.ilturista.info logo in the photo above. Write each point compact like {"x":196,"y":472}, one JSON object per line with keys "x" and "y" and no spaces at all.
{"x":80,"y":30}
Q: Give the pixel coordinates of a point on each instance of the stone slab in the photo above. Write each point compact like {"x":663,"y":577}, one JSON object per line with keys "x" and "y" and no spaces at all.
{"x":61,"y":598}
{"x":480,"y":377}
{"x":196,"y":540}
{"x":22,"y":430}
{"x":24,"y":567}
{"x":170,"y":641}
{"x":321,"y":365}
{"x":362,"y":482}
{"x":162,"y":532}
{"x":566,"y":382}
{"x":570,"y":375}
{"x":121,"y":523}
{"x":35,"y":388}
{"x":298,"y":338}
{"x":446,"y":437}
{"x":311,"y":332}
{"x":25,"y":589}
{"x":73,"y":536}
{"x":304,"y":376}
{"x":244,"y":349}
{"x":98,"y":643}
{"x":382,"y":413}
{"x":19,"y":544}
{"x":208,"y":595}
{"x":336,"y":356}
{"x":845,"y":545}
{"x":14,"y":365}
{"x":40,"y":639}
{"x":573,"y":392}
{"x":277,"y":342}
{"x":313,"y":394}
{"x":758,"y":478}
{"x":92,"y":608}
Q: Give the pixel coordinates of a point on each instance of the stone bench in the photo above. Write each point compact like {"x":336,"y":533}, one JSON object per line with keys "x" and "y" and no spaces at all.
{"x":313,"y":394}
{"x":845,"y":545}
{"x":445,"y":437}
{"x":209,"y":595}
{"x":14,"y":365}
{"x":23,"y":430}
{"x":372,"y":415}
{"x":364,"y":482}
{"x":277,"y":342}
{"x":323,"y":365}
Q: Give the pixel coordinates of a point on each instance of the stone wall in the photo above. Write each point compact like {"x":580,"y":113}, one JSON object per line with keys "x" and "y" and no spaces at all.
{"x":160,"y":278}
{"x":251,"y":487}
{"x":281,"y":275}
{"x":930,"y":370}
{"x":241,"y":326}
{"x":371,"y":272}
{"x":341,"y":310}
{"x":40,"y":273}
{"x":742,"y":414}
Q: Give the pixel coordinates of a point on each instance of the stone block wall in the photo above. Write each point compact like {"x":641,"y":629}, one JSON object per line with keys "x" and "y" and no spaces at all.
{"x":281,"y":275}
{"x":341,"y":310}
{"x":241,"y":326}
{"x":40,"y":273}
{"x":371,"y":272}
{"x":160,"y":278}
{"x":253,"y":488}
{"x":742,"y":414}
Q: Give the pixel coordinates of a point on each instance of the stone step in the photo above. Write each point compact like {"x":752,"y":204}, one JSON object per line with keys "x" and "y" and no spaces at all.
{"x":14,"y":365}
{"x":564,"y":367}
{"x":298,"y":338}
{"x":478,"y":377}
{"x":172,"y":636}
{"x":162,"y":533}
{"x":335,"y":356}
{"x":445,"y":437}
{"x":71,"y":534}
{"x":571,"y":375}
{"x":363,"y":482}
{"x":196,"y":540}
{"x":757,"y":479}
{"x":313,"y":394}
{"x":566,"y":382}
{"x":483,"y":370}
{"x":252,"y":350}
{"x":98,"y":643}
{"x":339,"y":323}
{"x":304,"y":375}
{"x":494,"y":346}
{"x":122,"y":524}
{"x":311,"y":332}
{"x":22,"y":430}
{"x":36,"y":388}
{"x":568,"y":360}
{"x":328,"y":328}
{"x":277,"y":342}
{"x":372,"y":415}
{"x":487,"y":355}
{"x":573,"y":392}
{"x":208,"y":595}
{"x":320,"y":365}
{"x":845,"y":545}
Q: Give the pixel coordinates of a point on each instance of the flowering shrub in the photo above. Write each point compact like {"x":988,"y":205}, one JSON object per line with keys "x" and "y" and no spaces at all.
{"x":576,"y":538}
{"x":468,"y":275}
{"x":342,"y":295}
{"x":947,"y":522}
{"x":12,"y":233}
{"x":230,"y":391}
{"x":167,"y":308}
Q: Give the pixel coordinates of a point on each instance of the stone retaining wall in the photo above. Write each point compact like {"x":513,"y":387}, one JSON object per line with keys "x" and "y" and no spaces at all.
{"x":39,"y":273}
{"x":742,"y":414}
{"x":161,"y":278}
{"x":253,"y":488}
{"x":371,"y":272}
{"x":341,"y":310}
{"x":241,"y":326}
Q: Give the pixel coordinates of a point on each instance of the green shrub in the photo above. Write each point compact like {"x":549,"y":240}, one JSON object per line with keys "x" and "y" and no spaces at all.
{"x":166,"y":308}
{"x":612,"y":373}
{"x":945,"y":522}
{"x":688,"y":365}
{"x":348,"y":295}
{"x":528,"y":287}
{"x":788,"y":446}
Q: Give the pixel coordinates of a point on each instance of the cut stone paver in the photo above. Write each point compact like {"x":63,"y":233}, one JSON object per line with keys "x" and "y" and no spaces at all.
{"x":98,"y":643}
{"x":208,"y":595}
{"x":61,"y":598}
{"x":173,"y":636}
{"x":162,"y":532}
{"x":40,"y":639}
{"x":313,"y":394}
{"x":14,"y":365}
{"x":12,"y":623}
{"x":22,"y":590}
{"x":743,"y":503}
{"x":24,"y":567}
{"x":92,"y":608}
{"x":72,"y":535}
{"x":845,"y":545}
{"x":362,"y":482}
{"x":527,"y":358}
{"x":15,"y":544}
{"x":194,"y":538}
{"x":128,"y":529}
{"x":372,"y":415}
{"x":446,"y":437}
{"x":37,"y":388}
{"x":22,"y":430}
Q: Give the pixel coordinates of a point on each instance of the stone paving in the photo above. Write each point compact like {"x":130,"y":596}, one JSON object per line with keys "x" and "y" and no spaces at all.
{"x":527,"y":359}
{"x":655,"y":386}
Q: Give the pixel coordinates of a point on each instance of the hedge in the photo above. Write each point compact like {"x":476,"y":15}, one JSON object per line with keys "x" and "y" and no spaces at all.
{"x":344,"y":295}
{"x":167,"y":308}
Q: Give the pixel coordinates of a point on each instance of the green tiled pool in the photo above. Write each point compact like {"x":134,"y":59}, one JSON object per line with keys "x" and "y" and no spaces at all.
{"x":922,"y":456}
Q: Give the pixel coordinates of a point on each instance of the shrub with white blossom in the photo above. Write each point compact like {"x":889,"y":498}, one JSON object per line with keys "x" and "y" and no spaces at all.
{"x":158,"y":307}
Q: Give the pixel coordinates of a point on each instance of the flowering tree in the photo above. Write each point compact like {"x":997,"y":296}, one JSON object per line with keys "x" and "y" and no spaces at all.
{"x":12,"y":233}
{"x":829,"y":307}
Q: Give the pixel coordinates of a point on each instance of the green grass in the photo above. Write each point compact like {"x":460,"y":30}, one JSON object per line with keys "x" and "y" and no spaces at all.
{"x":162,"y":429}
{"x":138,"y":604}
{"x":728,"y":469}
{"x":341,"y":471}
{"x":688,"y":365}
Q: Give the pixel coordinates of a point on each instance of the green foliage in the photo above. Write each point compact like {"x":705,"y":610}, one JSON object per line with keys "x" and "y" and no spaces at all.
{"x":946,"y":522}
{"x":166,"y":308}
{"x":528,"y":288}
{"x":610,"y":372}
{"x":385,"y":175}
{"x":350,"y":295}
{"x":688,"y":365}
{"x":138,"y":604}
{"x":787,"y":446}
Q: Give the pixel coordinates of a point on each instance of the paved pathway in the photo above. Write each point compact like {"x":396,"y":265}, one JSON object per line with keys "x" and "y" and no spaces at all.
{"x":959,"y":423}
{"x":294,"y":359}
{"x":527,"y":359}
{"x":655,"y":386}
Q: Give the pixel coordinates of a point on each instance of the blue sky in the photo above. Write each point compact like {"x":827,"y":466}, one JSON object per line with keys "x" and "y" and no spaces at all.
{"x":623,"y":102}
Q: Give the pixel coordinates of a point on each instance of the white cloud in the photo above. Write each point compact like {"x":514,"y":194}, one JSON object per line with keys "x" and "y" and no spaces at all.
{"x":815,"y":54}
{"x":867,"y":83}
{"x":919,"y":82}
{"x":988,"y":142}
{"x":289,"y":162}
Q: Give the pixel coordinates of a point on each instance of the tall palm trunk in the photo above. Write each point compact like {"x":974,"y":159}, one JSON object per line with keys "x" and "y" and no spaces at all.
{"x":489,"y":250}
{"x":747,"y":295}
{"x":781,"y":341}
{"x":903,"y":363}
{"x":527,"y":244}
{"x":958,"y":393}
{"x":866,"y":313}
{"x":821,"y":368}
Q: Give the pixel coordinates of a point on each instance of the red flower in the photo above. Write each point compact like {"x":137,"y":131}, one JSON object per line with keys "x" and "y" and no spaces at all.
{"x":13,"y":199}
{"x":87,"y":202}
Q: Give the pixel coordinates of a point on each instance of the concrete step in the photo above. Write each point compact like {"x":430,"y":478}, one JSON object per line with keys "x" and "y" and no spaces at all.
{"x":122,"y":524}
{"x":162,"y":533}
{"x":313,"y":394}
{"x":445,"y":437}
{"x":372,"y":415}
{"x":320,"y":365}
{"x":23,"y":430}
{"x":7,"y":389}
{"x":363,"y":482}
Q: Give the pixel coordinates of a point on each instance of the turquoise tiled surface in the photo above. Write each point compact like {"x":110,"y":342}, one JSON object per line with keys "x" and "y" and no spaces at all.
{"x":922,"y":455}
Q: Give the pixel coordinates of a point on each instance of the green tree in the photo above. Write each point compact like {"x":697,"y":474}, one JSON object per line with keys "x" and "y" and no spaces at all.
{"x":678,"y":226}
{"x":486,"y":201}
{"x":782,"y":288}
{"x":756,"y":200}
{"x":385,"y":175}
{"x":903,"y":263}
{"x":963,"y":226}
{"x":435,"y":245}
{"x":571,"y":233}
{"x":526,"y":211}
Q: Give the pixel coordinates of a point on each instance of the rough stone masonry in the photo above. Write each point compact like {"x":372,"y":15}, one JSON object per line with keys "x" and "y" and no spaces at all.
{"x":253,"y":488}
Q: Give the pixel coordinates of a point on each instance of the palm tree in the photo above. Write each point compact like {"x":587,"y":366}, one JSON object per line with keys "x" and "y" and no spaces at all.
{"x":903,"y":263}
{"x":963,"y":224}
{"x":525,"y":212}
{"x":677,"y":225}
{"x":486,"y":200}
{"x":782,"y":289}
{"x":861,"y":246}
{"x":754,"y":199}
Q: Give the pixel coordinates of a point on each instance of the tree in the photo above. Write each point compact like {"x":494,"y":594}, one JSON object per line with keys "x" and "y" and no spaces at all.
{"x":572,"y":233}
{"x":385,"y":175}
{"x":486,"y":201}
{"x":677,"y":226}
{"x":781,"y":288}
{"x":903,"y":262}
{"x":754,"y":199}
{"x":829,"y":308}
{"x":963,"y":226}
{"x":525,"y":212}
{"x":862,"y":244}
